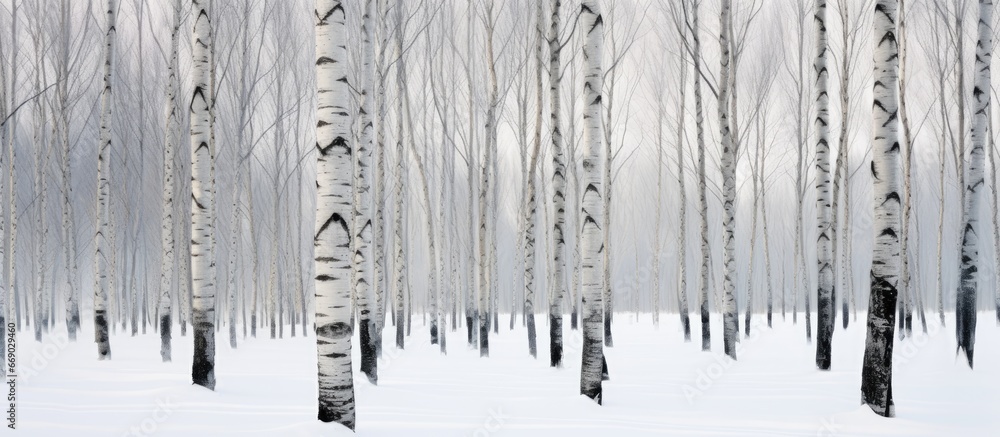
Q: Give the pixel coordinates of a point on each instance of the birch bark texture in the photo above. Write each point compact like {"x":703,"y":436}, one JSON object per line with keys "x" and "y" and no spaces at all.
{"x":332,"y":241}
{"x":558,"y":193}
{"x":202,"y":193}
{"x":592,"y":211}
{"x":167,"y":216}
{"x":699,"y":121}
{"x":531,"y":206}
{"x":730,"y":327}
{"x":965,"y":304}
{"x":876,"y":372}
{"x":102,"y":259}
{"x":682,"y":296}
{"x":399,"y":265}
{"x":485,"y":241}
{"x":824,"y":209}
{"x":363,"y":263}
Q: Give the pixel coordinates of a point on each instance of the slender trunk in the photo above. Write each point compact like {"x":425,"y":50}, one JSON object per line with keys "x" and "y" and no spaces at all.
{"x":755,"y":186}
{"x":767,"y":243}
{"x":729,"y":153}
{"x":167,"y":225}
{"x":332,"y":240}
{"x":558,"y":193}
{"x":706,"y":251}
{"x":840,"y":180}
{"x":484,"y":245}
{"x":825,"y":296}
{"x":68,"y":228}
{"x":471,"y":310}
{"x":381,"y":273}
{"x":101,"y":292}
{"x":965,"y":309}
{"x":530,"y":209}
{"x":399,"y":266}
{"x":592,"y":24}
{"x":876,"y":373}
{"x":42,"y":149}
{"x":574,"y":176}
{"x":905,"y":311}
{"x":202,"y":193}
{"x":682,"y":296}
{"x":942,"y":158}
{"x":362,"y":259}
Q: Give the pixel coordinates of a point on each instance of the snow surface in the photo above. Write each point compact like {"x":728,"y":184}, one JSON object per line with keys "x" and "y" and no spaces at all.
{"x":659,"y":386}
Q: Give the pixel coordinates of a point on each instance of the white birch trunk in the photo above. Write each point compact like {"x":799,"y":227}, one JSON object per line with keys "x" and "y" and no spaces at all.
{"x":167,"y":222}
{"x":574,"y":177}
{"x":399,"y":262}
{"x":906,"y":292}
{"x":202,"y":190}
{"x":558,"y":193}
{"x":965,"y":307}
{"x":843,"y":162}
{"x":704,"y":289}
{"x":363,"y":264}
{"x":592,"y":25}
{"x":531,"y":202}
{"x":42,"y":149}
{"x":824,"y":211}
{"x":876,"y":373}
{"x":730,"y":321}
{"x":485,"y":245}
{"x":682,"y":296}
{"x":332,"y":241}
{"x":101,"y":319}
{"x":381,"y":280}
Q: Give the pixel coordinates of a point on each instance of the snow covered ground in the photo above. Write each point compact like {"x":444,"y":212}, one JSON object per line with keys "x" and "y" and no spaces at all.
{"x":659,"y":385}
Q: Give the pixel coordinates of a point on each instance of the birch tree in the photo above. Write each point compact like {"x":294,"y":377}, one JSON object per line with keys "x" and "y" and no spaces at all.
{"x":729,"y":153}
{"x":558,"y":191}
{"x":202,"y":200}
{"x":906,"y":292}
{"x":484,"y":189}
{"x":102,"y":258}
{"x":682,"y":297}
{"x":167,"y":215}
{"x":824,"y":251}
{"x":876,"y":372}
{"x":332,"y":241}
{"x":965,"y":304}
{"x":704,"y":289}
{"x":399,"y":266}
{"x":592,"y":25}
{"x":41,"y":146}
{"x":363,"y":262}
{"x":531,"y":203}
{"x":381,"y":71}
